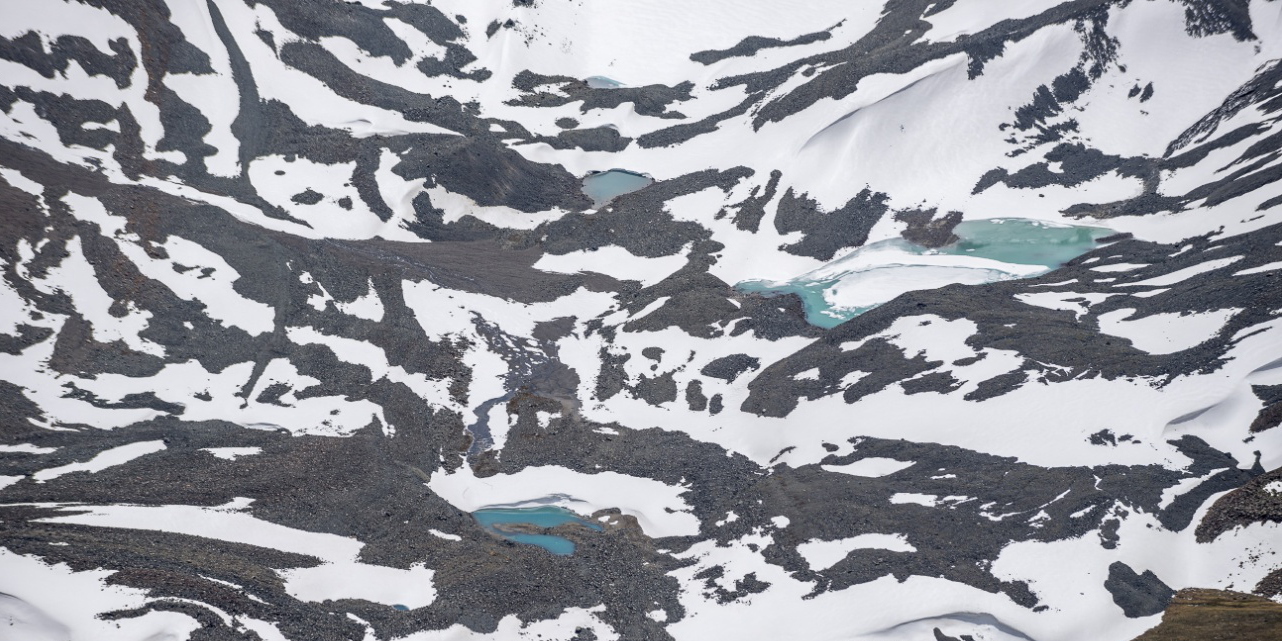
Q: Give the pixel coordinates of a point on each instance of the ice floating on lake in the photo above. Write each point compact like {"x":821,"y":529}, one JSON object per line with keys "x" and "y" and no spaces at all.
{"x":546,"y":516}
{"x":601,"y":82}
{"x":604,"y":186}
{"x":989,"y":251}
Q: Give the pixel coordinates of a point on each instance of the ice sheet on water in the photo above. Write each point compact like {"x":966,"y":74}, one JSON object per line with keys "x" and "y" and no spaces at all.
{"x":988,"y":251}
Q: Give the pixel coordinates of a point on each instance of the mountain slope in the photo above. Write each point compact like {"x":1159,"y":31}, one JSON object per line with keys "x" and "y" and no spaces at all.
{"x":932,"y":319}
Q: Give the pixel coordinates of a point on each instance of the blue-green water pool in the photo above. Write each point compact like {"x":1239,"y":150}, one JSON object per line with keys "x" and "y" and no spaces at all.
{"x":987,"y":251}
{"x":1024,"y":242}
{"x":604,"y":186}
{"x":546,"y":516}
{"x":601,"y":82}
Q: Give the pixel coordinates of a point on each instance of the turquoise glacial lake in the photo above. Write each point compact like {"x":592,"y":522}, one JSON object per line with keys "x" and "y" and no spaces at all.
{"x":546,"y":516}
{"x":988,"y":251}
{"x":601,"y":82}
{"x":604,"y":186}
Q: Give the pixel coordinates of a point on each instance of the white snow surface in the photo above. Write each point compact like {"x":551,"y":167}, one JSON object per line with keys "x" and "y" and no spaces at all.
{"x":332,"y":581}
{"x":872,"y":466}
{"x":233,"y":453}
{"x":616,"y":262}
{"x":341,"y":574}
{"x":103,"y":460}
{"x":36,"y":595}
{"x":1165,"y":333}
{"x":821,"y":555}
{"x":510,"y":628}
{"x":26,"y":448}
{"x":914,"y":498}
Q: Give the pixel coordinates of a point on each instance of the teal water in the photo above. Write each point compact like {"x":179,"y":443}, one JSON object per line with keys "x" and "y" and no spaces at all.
{"x":887,"y":268}
{"x":604,"y":186}
{"x":1024,"y":242}
{"x":601,"y":82}
{"x":818,"y":312}
{"x":548,"y":516}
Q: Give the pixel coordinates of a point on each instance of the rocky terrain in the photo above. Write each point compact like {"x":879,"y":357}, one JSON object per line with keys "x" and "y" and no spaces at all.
{"x":937,"y":319}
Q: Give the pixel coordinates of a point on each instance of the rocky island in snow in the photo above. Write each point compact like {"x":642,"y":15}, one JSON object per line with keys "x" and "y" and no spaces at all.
{"x":463,"y":320}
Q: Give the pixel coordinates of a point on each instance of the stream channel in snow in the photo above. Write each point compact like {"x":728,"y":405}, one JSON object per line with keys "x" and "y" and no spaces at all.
{"x":988,"y":251}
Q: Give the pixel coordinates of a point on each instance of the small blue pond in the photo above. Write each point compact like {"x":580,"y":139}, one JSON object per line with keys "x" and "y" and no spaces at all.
{"x":883,"y":270}
{"x":601,"y":82}
{"x":604,"y":186}
{"x":547,"y":516}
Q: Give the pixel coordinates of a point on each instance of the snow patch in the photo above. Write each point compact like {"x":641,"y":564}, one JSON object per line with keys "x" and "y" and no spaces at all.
{"x":1165,"y":333}
{"x":871,"y":467}
{"x":103,"y":460}
{"x":904,"y":498}
{"x":821,"y":555}
{"x":615,"y":262}
{"x":233,"y":453}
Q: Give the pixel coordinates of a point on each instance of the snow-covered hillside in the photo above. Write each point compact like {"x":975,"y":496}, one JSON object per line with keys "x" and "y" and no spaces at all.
{"x":939,"y":319}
